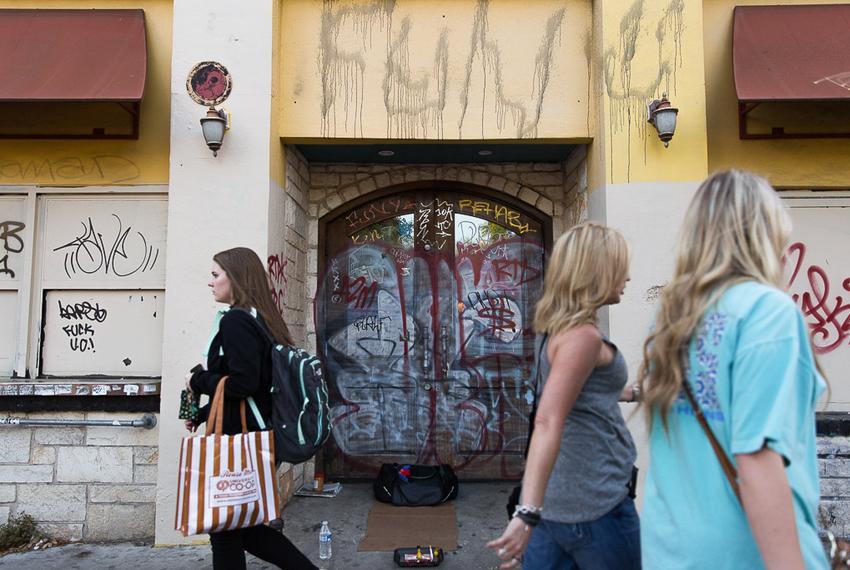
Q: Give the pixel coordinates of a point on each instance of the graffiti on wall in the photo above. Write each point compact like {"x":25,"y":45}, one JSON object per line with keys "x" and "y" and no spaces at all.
{"x":500,"y":213}
{"x":12,"y":242}
{"x":83,"y":317}
{"x":121,"y":253}
{"x":432,"y":358}
{"x":98,"y":169}
{"x":277,"y":275}
{"x":824,"y":304}
{"x":415,"y":101}
{"x":642,"y":38}
{"x":368,"y":214}
{"x":485,"y":52}
{"x":102,"y":332}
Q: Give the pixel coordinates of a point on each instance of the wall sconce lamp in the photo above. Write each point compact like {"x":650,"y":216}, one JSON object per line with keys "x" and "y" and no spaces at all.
{"x":214,"y":125}
{"x":662,"y":116}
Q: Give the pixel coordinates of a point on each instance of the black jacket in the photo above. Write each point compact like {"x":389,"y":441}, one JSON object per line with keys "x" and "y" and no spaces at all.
{"x":247,"y":363}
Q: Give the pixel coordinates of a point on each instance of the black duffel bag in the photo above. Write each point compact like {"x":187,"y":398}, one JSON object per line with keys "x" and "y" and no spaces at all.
{"x":415,"y":485}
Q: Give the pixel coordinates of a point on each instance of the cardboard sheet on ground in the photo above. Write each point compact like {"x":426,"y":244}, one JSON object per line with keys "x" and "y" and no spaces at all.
{"x":390,"y":527}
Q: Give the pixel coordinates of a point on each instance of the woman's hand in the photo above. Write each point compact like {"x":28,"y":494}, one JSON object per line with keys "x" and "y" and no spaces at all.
{"x":512,"y":544}
{"x":191,"y":426}
{"x":630,"y":394}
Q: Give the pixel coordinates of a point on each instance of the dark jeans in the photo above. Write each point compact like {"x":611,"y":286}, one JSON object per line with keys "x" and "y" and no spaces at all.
{"x":611,"y":542}
{"x":229,"y":546}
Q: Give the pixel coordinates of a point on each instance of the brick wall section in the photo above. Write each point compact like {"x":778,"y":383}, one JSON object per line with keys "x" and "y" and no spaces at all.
{"x":558,"y":189}
{"x":83,"y":483}
{"x":297,"y":310}
{"x":575,"y":189}
{"x":834,"y":467}
{"x":296,"y":187}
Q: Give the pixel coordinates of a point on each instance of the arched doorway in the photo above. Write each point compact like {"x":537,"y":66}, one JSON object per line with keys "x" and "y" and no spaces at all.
{"x":424,"y":315}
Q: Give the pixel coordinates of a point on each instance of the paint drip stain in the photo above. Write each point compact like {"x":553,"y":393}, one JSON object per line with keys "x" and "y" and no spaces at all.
{"x":628,"y":101}
{"x":342,"y":70}
{"x":415,"y":104}
{"x":487,"y":54}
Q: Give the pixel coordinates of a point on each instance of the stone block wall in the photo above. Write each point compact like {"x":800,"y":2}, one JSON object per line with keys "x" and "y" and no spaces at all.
{"x":81,"y":483}
{"x":296,"y":311}
{"x":298,"y":304}
{"x":834,"y":468}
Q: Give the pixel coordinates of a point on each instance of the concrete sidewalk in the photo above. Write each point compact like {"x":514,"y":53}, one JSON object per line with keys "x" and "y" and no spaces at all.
{"x":480,"y":515}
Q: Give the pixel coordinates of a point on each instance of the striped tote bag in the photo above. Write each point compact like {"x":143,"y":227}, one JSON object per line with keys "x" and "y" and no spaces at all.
{"x":226,"y":482}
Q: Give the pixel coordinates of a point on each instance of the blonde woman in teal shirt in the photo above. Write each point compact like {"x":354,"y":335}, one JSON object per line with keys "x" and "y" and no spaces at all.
{"x":727,"y":330}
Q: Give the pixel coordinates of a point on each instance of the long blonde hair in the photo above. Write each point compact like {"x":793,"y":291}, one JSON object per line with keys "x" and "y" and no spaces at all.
{"x":735,"y":229}
{"x":588,"y":262}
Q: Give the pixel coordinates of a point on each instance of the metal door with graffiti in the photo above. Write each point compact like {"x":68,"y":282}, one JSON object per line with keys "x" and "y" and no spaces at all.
{"x":424,"y":319}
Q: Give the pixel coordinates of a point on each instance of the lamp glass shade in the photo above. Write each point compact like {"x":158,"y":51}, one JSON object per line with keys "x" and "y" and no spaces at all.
{"x":665,"y":120}
{"x":213,"y":129}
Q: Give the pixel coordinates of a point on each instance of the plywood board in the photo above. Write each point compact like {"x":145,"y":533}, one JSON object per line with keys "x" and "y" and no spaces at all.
{"x":8,"y":331}
{"x":109,"y":333}
{"x":105,"y":243}
{"x":12,"y":244}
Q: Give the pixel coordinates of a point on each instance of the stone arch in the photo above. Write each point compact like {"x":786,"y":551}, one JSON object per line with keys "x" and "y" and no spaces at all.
{"x":403,"y":174}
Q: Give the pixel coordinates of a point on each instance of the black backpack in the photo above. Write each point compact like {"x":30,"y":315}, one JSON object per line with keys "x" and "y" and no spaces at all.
{"x":300,"y":409}
{"x":415,"y":485}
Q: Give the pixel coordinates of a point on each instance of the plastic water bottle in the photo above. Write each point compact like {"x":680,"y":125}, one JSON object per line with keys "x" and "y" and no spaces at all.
{"x":325,"y":542}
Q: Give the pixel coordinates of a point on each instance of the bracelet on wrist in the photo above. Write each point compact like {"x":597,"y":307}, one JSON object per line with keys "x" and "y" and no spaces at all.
{"x":531,"y":509}
{"x":528,"y":518}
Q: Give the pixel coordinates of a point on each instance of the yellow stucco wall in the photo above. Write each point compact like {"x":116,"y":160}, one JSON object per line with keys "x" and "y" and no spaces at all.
{"x":641,"y":49}
{"x":436,"y":69}
{"x":814,"y":163}
{"x":87,"y":162}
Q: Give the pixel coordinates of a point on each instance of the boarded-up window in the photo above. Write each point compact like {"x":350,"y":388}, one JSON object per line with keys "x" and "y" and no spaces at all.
{"x":8,"y":330}
{"x":103,"y":243}
{"x":111,"y":333}
{"x":101,"y":279}
{"x":818,"y":276}
{"x":13,"y":250}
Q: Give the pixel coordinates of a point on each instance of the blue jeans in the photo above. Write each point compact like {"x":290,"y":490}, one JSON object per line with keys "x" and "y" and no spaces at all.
{"x":611,"y":542}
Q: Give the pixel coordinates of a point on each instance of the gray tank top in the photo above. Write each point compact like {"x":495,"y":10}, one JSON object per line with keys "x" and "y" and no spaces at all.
{"x":597,"y":453}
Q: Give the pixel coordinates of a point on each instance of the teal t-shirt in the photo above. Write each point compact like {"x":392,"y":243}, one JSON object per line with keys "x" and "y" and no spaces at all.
{"x":752,"y":370}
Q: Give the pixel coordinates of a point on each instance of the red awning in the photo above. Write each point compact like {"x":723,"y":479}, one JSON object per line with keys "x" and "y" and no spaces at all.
{"x":792,"y":53}
{"x":72,"y":55}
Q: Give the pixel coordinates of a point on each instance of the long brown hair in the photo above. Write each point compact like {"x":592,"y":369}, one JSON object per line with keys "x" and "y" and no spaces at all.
{"x":735,"y":230}
{"x":249,"y":287}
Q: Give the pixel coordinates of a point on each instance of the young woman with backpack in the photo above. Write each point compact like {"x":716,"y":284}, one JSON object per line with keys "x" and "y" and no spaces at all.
{"x":240,"y":350}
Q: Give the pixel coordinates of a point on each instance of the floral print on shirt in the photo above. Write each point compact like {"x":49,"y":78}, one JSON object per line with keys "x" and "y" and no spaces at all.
{"x":703,"y":376}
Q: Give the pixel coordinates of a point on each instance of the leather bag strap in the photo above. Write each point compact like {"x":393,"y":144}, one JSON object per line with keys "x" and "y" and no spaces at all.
{"x":215,"y":421}
{"x":725,"y":463}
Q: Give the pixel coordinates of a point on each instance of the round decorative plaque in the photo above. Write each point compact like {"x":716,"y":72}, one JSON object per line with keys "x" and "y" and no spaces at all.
{"x":209,"y":83}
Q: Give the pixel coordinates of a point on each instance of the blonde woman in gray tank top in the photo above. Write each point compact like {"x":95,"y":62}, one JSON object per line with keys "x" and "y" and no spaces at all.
{"x":575,"y":511}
